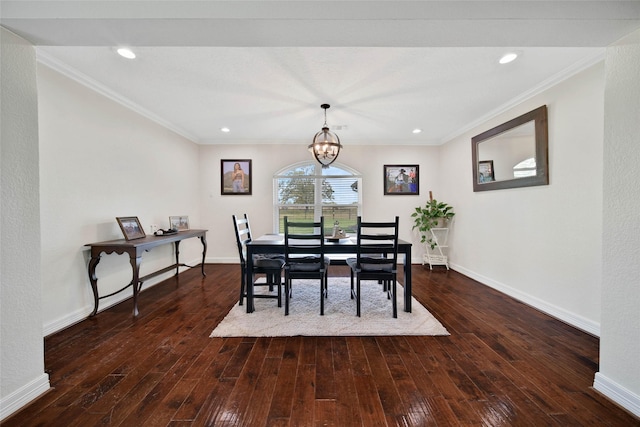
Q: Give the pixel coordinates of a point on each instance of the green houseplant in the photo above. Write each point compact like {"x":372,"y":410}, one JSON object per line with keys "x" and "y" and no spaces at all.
{"x":432,"y":215}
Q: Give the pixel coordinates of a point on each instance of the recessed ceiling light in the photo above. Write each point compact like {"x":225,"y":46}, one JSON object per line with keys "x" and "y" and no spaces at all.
{"x":126,"y":53}
{"x":508,"y":58}
{"x":225,"y":130}
{"x":417,"y":130}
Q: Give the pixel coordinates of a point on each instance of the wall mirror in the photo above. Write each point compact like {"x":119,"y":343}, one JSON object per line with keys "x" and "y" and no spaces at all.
{"x":513,"y":154}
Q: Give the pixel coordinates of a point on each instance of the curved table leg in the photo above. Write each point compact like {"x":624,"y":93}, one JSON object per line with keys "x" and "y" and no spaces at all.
{"x":135,"y":265}
{"x":203,"y":239}
{"x":93,"y":262}
{"x":177,"y":246}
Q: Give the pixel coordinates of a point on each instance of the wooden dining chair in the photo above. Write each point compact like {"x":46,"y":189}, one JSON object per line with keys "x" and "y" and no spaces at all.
{"x":304,"y":256}
{"x":376,"y":259}
{"x":268,"y":265}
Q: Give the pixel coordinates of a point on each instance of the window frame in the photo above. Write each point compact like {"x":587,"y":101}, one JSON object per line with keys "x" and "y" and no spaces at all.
{"x":318,"y":177}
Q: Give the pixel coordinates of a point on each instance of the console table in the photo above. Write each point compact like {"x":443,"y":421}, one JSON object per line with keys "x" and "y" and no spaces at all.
{"x":135,"y":248}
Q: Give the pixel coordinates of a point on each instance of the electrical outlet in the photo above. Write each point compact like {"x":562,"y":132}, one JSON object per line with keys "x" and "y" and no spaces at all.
{"x":153,"y":228}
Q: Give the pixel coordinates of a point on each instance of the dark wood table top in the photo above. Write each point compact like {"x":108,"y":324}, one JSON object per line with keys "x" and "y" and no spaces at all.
{"x":149,"y":241}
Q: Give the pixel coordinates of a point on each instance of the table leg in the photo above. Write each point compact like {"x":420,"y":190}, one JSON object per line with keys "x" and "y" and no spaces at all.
{"x":249,"y":279}
{"x":135,"y":265}
{"x":177,"y":246}
{"x":93,"y":262}
{"x":407,"y":280}
{"x":203,"y":239}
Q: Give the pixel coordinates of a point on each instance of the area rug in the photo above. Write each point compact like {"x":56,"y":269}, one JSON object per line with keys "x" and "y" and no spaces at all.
{"x":268,"y":320}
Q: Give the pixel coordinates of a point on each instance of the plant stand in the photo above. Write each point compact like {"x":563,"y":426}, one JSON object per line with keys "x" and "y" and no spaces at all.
{"x":439,"y":254}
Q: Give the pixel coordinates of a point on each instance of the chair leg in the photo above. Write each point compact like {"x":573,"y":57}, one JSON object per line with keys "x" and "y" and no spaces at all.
{"x":250,"y":278}
{"x":271,"y":279}
{"x":358,"y":297}
{"x":278,"y":282}
{"x":287,"y":288}
{"x":352,"y":295}
{"x":321,"y":297}
{"x":326,"y":286}
{"x":243,"y":282}
{"x":394,"y":301}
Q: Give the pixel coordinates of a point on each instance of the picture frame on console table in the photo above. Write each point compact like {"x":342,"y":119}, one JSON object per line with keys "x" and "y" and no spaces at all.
{"x":401,"y":180}
{"x":180,"y":223}
{"x":131,"y":227}
{"x":235,"y":177}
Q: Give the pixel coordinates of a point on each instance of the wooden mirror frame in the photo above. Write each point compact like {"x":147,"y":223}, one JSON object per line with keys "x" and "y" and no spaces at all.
{"x":539,"y":117}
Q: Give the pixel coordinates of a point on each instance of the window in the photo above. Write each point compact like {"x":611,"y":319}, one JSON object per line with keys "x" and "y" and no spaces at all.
{"x":526,"y":167}
{"x":306,"y":191}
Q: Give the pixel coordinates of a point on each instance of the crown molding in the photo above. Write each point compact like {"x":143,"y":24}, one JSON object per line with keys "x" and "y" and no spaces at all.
{"x":64,"y":69}
{"x":534,"y":91}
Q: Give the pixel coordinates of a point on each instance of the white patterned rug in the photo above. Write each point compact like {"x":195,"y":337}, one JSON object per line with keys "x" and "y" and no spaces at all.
{"x":339,"y":314}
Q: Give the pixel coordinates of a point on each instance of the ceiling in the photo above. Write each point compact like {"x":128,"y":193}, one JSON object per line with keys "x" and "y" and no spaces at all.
{"x":262,"y":68}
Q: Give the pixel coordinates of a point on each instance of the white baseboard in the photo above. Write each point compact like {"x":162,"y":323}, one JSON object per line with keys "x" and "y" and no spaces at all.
{"x":25,"y":394}
{"x":224,"y":260}
{"x":614,"y":391}
{"x":66,"y":321}
{"x":82,"y":313}
{"x":568,"y":317}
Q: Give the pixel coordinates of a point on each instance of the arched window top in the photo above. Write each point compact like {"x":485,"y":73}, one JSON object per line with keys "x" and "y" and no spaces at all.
{"x":526,"y":163}
{"x":310,"y":168}
{"x":527,"y":167}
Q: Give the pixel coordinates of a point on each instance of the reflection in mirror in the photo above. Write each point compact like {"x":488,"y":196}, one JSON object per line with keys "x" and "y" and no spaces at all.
{"x":525,"y":168}
{"x":513,"y":154}
{"x":509,"y":149}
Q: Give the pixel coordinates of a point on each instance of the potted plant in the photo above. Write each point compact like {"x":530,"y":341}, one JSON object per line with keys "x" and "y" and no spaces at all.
{"x":433,"y":215}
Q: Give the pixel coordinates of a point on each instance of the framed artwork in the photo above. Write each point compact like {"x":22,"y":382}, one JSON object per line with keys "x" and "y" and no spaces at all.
{"x":235,"y":177}
{"x":131,"y":228}
{"x":485,"y":171}
{"x":179,"y":223}
{"x":401,"y":180}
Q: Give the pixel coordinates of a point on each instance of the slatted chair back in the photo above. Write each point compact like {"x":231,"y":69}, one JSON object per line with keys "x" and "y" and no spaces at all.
{"x":305,"y":255}
{"x":376,"y":258}
{"x":268,"y":265}
{"x":304,"y":245}
{"x":377,"y":248}
{"x":243,"y":236}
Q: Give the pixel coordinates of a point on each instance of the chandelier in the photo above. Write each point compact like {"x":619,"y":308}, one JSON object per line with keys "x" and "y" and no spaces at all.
{"x":326,"y":144}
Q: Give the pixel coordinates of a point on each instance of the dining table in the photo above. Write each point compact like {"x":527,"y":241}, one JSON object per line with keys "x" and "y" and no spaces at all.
{"x":335,"y":249}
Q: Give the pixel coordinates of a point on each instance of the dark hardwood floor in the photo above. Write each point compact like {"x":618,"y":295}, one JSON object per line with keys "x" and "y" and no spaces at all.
{"x":504,"y":364}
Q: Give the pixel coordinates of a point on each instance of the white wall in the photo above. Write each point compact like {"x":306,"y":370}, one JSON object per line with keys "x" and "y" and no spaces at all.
{"x":542,"y":244}
{"x":100,"y":160}
{"x":22,"y":376}
{"x":619,"y":375}
{"x":268,"y":159}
